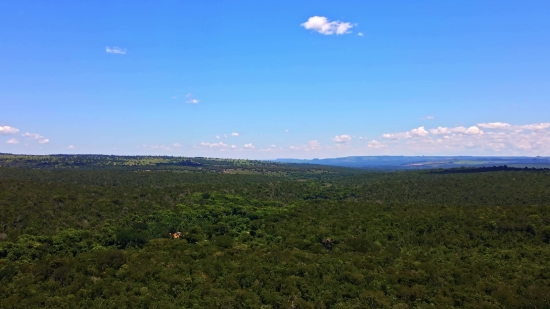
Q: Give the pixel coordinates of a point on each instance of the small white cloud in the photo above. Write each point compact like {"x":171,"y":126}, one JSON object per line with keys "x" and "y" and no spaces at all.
{"x":193,"y":101}
{"x":234,"y":134}
{"x":249,"y":146}
{"x":188,"y":95}
{"x":360,"y":34}
{"x":44,"y":141}
{"x":174,"y":97}
{"x":233,"y":147}
{"x":420,"y":131}
{"x":322,"y":25}
{"x":70,"y":147}
{"x":177,"y":145}
{"x":12,"y":141}
{"x":217,"y":136}
{"x":376,"y":144}
{"x":6,"y":130}
{"x":115,"y":50}
{"x":427,"y":118}
{"x":286,"y":131}
{"x":342,"y":138}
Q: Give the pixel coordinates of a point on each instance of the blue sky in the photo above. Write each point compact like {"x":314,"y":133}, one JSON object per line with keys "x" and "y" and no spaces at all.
{"x":271,"y":79}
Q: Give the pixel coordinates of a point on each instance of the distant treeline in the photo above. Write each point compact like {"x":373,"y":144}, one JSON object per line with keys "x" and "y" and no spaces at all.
{"x":484,"y":169}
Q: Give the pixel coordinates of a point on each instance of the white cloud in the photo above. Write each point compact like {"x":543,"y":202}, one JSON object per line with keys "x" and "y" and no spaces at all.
{"x":494,"y":125}
{"x":70,"y":147}
{"x":5,"y":130}
{"x":191,"y":99}
{"x":427,"y":118}
{"x":376,"y":144}
{"x":441,"y":130}
{"x":309,"y":146}
{"x":342,"y":138}
{"x":115,"y":50}
{"x":420,"y":131}
{"x":234,"y":134}
{"x":473,"y":130}
{"x":213,"y":145}
{"x":217,"y":137}
{"x":536,"y":126}
{"x":286,"y":131}
{"x":500,"y":139}
{"x":322,"y":25}
{"x":314,"y":145}
{"x":162,"y":147}
{"x":249,"y":146}
{"x":12,"y":141}
{"x":360,"y":34}
{"x":36,"y":136}
{"x":32,"y":135}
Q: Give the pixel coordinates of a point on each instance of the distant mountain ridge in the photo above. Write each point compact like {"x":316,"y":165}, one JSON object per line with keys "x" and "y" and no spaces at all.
{"x":424,"y":162}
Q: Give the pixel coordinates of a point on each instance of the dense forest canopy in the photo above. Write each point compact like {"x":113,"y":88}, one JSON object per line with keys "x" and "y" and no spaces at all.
{"x":98,"y":232}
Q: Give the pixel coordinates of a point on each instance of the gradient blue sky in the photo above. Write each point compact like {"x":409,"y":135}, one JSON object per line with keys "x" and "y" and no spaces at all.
{"x":403,"y":78}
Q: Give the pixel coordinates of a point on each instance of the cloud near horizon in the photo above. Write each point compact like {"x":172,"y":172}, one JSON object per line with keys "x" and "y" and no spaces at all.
{"x":492,"y":138}
{"x":497,"y":138}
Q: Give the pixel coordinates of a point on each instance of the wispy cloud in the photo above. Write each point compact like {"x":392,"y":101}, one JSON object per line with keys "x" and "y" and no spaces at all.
{"x":12,"y":141}
{"x":376,"y":144}
{"x":234,"y":134}
{"x":322,"y":25}
{"x":36,"y":136}
{"x":71,"y":147}
{"x":32,"y":135}
{"x":115,"y":50}
{"x":7,"y":130}
{"x":249,"y":146}
{"x":170,"y":147}
{"x":360,"y":34}
{"x":309,"y":146}
{"x":213,"y":145}
{"x":191,"y":99}
{"x":427,"y":118}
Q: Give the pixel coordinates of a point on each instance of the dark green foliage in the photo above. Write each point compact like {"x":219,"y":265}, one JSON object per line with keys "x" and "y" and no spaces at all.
{"x":88,"y":233}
